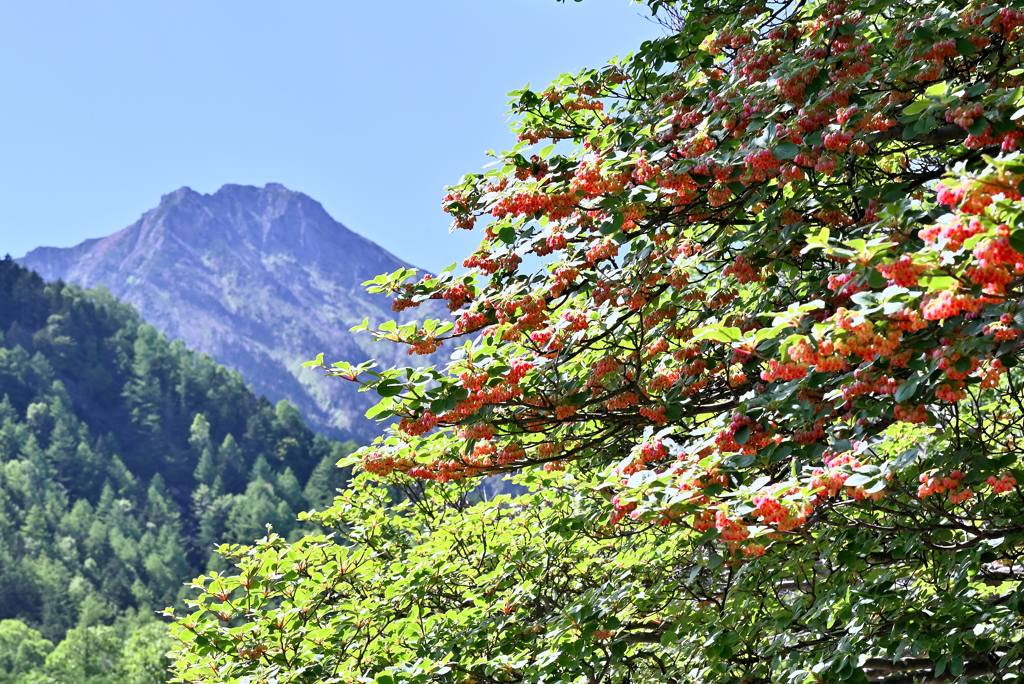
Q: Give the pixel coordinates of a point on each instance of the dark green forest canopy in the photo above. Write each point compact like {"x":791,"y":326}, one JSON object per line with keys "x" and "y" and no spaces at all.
{"x":125,"y":458}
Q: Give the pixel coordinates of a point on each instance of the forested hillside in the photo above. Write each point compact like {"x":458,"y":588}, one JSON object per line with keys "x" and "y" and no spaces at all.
{"x":124,"y":458}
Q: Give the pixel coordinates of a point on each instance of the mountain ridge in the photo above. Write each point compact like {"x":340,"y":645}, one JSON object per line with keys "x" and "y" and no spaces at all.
{"x":262,"y":279}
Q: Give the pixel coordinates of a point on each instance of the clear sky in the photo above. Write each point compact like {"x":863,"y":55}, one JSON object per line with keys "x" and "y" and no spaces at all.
{"x":368,"y":107}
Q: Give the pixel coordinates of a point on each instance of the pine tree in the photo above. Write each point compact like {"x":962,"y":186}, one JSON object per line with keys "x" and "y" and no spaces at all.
{"x":7,"y":410}
{"x":39,"y":420}
{"x":232,"y":464}
{"x":213,"y":522}
{"x":261,"y":471}
{"x":63,"y":443}
{"x":76,"y":522}
{"x":253,"y":511}
{"x":160,"y":507}
{"x":83,"y":471}
{"x":287,"y":487}
{"x":199,"y":435}
{"x":318,"y":491}
{"x":35,"y":530}
{"x":122,"y":478}
{"x":96,"y":541}
{"x":143,"y":396}
{"x":206,"y":470}
{"x":327,"y":477}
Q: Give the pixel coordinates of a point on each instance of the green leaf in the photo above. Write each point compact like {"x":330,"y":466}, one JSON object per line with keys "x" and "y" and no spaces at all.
{"x":742,"y":434}
{"x":743,"y":460}
{"x":785,"y":150}
{"x":876,"y":279}
{"x":760,"y":482}
{"x":978,"y":127}
{"x":718,"y":334}
{"x":578,"y":399}
{"x":507,"y":234}
{"x":846,"y":557}
{"x":918,"y":106}
{"x":857,"y":480}
{"x":937,"y":283}
{"x":376,"y":410}
{"x":907,"y":389}
{"x":443,"y":405}
{"x":1017,"y":240}
{"x":816,"y":241}
{"x":865,"y":299}
{"x":907,"y":457}
{"x":977,"y":89}
{"x":816,"y":84}
{"x":318,"y":361}
{"x":389,"y":388}
{"x":965,"y":47}
{"x":892,"y":192}
{"x":609,"y":227}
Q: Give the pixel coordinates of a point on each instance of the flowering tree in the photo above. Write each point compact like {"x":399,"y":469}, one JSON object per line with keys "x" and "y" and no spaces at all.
{"x":746,"y":319}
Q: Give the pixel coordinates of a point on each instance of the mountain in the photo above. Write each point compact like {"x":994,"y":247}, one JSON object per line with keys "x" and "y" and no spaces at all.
{"x":262,"y":279}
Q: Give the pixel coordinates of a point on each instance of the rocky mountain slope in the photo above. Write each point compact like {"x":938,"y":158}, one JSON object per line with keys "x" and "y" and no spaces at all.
{"x":262,"y":279}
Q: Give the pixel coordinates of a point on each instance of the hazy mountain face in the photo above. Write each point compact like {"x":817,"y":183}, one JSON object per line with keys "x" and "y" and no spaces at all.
{"x":262,"y":279}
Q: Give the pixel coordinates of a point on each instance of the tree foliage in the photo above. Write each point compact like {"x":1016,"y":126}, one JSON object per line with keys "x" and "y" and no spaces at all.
{"x":125,"y":459}
{"x":97,"y":654}
{"x":748,"y":325}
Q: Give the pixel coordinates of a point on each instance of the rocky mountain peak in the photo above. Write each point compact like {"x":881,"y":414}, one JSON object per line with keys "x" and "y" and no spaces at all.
{"x":262,"y":279}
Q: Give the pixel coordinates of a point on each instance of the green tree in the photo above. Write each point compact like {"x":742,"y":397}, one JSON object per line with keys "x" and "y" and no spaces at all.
{"x":7,"y":410}
{"x":88,"y":655}
{"x":326,"y":479}
{"x":144,"y":655}
{"x":761,"y":375}
{"x":160,"y":507}
{"x":22,"y":650}
{"x":82,"y":544}
{"x":253,"y":511}
{"x":288,"y":488}
{"x":213,"y":522}
{"x":143,"y":392}
{"x":199,"y":439}
{"x":232,"y":464}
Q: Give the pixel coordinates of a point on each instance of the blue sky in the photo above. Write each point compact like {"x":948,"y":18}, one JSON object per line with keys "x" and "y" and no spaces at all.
{"x":368,"y":107}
